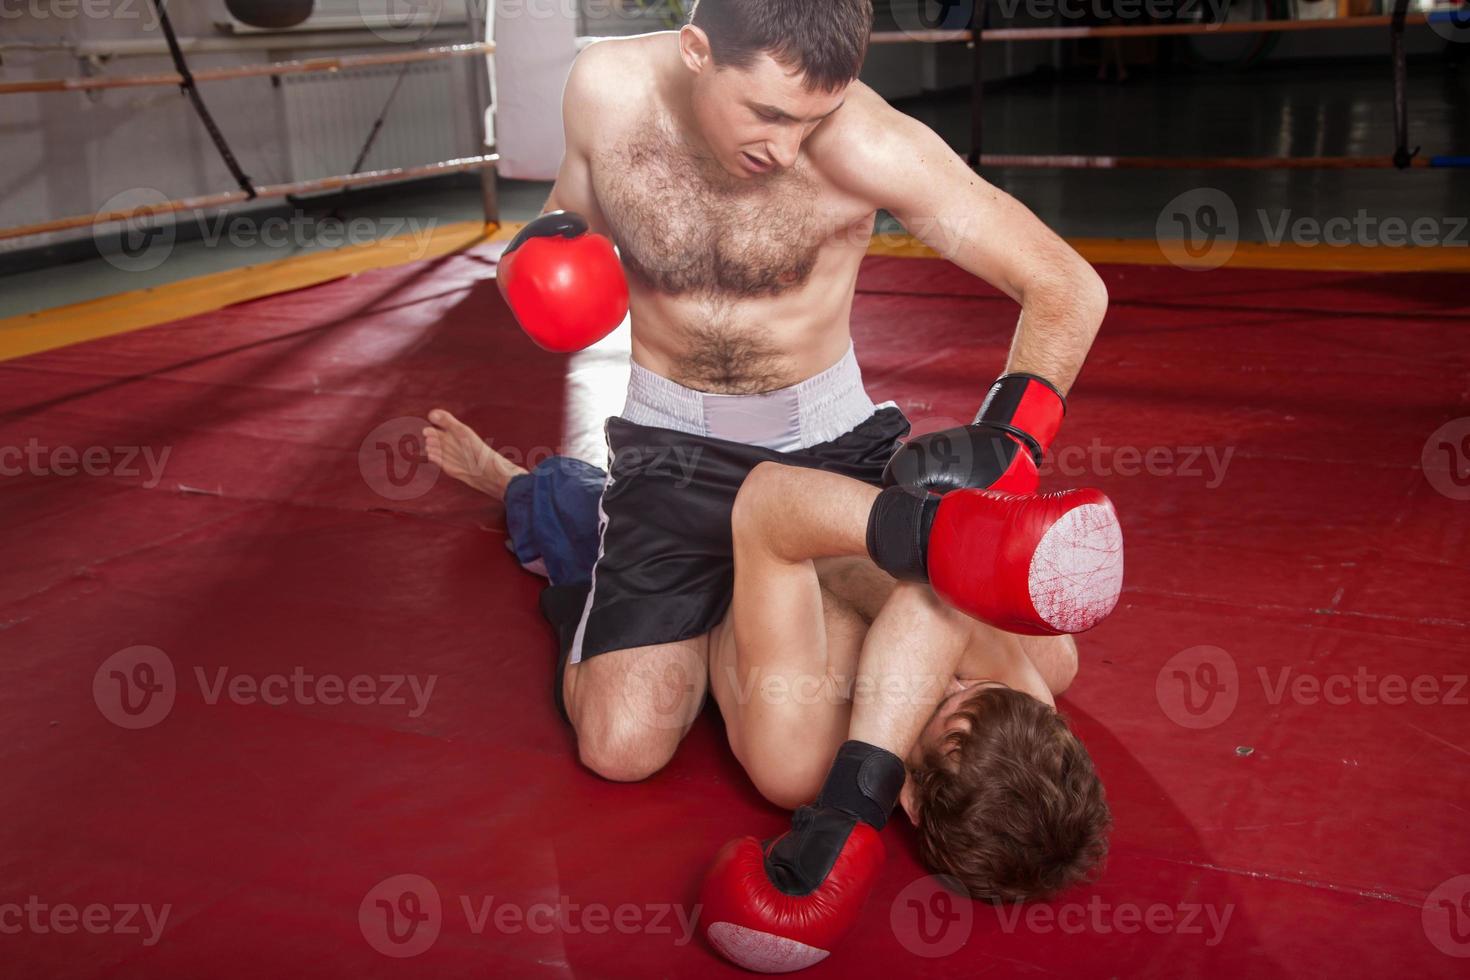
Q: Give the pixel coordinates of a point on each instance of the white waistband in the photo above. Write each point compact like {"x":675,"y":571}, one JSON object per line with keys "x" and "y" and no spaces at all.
{"x":816,"y":410}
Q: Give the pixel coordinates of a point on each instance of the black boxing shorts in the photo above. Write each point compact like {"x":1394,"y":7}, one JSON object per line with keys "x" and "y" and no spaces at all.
{"x":665,"y":569}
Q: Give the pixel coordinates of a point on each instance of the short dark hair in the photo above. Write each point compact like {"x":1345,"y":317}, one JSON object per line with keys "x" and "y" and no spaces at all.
{"x":1011,"y":807}
{"x":826,"y":40}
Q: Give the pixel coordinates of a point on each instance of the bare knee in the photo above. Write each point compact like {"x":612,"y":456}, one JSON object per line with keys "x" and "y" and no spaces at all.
{"x":632,"y":708}
{"x":625,"y":752}
{"x":749,"y":510}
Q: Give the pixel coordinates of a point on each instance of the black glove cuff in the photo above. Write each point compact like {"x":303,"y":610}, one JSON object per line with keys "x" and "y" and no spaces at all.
{"x":865,"y":781}
{"x":1003,"y":401}
{"x":898,"y":532}
{"x":1026,"y":439}
{"x":567,"y":224}
{"x":863,"y":785}
{"x":1005,"y":395}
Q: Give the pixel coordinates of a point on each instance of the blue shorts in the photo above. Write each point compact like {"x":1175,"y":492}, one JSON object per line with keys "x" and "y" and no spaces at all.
{"x":551,"y":514}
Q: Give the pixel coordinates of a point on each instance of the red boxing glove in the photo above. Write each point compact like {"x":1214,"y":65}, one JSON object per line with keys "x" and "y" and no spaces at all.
{"x":1000,"y":450}
{"x":565,"y":284}
{"x":783,"y":906}
{"x":1037,"y":564}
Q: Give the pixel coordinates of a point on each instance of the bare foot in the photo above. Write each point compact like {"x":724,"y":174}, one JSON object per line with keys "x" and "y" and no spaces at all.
{"x":457,"y":450}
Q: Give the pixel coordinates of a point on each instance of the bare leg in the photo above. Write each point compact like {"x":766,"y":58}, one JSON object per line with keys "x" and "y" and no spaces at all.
{"x":632,"y":708}
{"x":457,"y":450}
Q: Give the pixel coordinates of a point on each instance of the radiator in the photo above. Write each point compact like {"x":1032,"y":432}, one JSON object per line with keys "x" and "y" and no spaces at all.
{"x":328,"y":117}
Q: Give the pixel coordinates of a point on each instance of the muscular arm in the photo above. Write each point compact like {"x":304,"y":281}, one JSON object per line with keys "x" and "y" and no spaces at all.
{"x":895,"y":162}
{"x":587,"y":86}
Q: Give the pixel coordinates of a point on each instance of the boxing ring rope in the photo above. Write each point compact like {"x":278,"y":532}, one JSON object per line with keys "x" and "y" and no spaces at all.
{"x":1062,"y":162}
{"x":300,"y":67}
{"x":185,"y":77}
{"x":342,"y":182}
{"x":1146,"y":30}
{"x":1402,"y":158}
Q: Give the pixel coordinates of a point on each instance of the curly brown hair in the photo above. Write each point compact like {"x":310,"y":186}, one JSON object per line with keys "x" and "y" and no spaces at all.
{"x":1011,"y":806}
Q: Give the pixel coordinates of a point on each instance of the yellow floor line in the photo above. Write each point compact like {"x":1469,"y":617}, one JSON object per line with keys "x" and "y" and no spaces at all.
{"x":44,"y":330}
{"x":49,"y":329}
{"x":1247,"y":255}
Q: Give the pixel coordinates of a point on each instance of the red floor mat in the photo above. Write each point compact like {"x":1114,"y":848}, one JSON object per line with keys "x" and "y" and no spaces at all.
{"x":1261,"y":433}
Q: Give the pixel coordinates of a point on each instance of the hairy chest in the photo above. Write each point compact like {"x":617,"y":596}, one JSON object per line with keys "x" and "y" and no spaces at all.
{"x":684,"y":230}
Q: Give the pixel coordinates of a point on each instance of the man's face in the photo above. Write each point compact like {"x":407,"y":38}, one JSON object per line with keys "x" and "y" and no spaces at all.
{"x":755,"y":119}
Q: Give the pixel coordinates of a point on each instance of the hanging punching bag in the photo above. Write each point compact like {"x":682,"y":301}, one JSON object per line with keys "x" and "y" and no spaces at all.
{"x":270,"y":14}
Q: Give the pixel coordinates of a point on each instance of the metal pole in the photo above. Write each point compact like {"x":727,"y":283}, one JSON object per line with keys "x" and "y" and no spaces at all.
{"x":481,"y":99}
{"x":1402,"y":156}
{"x":977,"y":68}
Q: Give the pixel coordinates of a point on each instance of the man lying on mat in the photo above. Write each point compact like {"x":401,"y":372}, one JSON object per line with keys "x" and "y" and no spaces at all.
{"x":819,"y":642}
